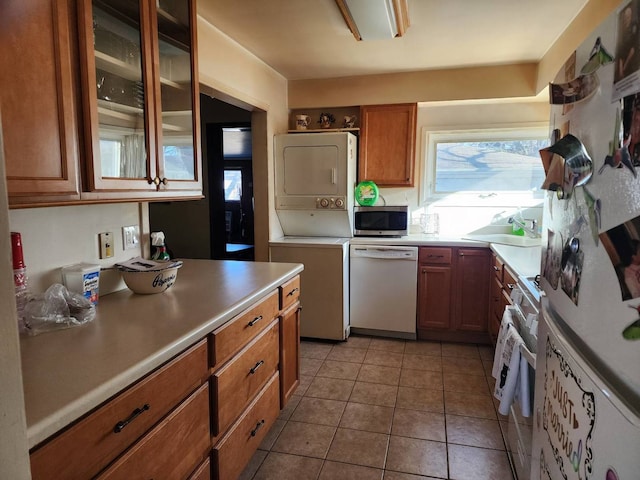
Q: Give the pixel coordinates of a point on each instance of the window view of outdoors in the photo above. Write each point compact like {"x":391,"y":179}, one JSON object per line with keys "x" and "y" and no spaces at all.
{"x":232,"y":185}
{"x":489,"y":166}
{"x":178,"y":162}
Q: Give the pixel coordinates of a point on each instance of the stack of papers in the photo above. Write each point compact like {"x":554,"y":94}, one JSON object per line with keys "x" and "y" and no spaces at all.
{"x":139,"y":264}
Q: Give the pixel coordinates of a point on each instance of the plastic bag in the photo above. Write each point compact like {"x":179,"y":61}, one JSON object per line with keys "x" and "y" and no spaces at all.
{"x":55,"y":309}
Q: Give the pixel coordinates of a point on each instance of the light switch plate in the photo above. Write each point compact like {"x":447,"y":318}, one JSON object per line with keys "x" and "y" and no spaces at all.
{"x":130,"y":237}
{"x":106,"y":244}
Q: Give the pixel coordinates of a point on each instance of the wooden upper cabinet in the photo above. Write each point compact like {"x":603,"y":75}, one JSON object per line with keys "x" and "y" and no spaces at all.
{"x":140,"y":93}
{"x":37,"y":101}
{"x":387,"y":144}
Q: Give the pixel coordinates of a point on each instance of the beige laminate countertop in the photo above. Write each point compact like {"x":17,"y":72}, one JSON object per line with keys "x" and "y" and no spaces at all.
{"x":67,"y":373}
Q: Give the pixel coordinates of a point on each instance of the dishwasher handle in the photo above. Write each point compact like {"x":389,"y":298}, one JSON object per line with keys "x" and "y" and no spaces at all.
{"x":385,"y":253}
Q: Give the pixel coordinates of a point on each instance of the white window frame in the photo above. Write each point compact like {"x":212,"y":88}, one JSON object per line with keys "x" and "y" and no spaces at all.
{"x":472,"y":198}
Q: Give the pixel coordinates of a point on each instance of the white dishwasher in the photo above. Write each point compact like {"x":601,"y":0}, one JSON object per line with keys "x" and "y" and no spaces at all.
{"x":383,"y":289}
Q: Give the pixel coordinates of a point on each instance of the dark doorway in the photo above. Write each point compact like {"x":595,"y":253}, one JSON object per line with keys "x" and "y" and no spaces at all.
{"x":198,"y":228}
{"x":230,"y":190}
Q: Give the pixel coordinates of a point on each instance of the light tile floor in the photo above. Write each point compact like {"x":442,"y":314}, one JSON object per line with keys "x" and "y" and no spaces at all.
{"x":377,"y":408}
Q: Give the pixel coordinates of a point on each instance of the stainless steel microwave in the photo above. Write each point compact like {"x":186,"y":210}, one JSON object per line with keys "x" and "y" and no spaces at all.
{"x":381,"y":221}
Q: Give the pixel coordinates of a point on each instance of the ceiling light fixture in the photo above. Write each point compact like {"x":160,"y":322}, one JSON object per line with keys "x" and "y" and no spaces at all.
{"x":375,"y":19}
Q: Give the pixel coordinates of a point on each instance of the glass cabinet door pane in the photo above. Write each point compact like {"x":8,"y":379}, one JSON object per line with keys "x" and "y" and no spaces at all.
{"x":119,"y":81}
{"x":177,"y":157}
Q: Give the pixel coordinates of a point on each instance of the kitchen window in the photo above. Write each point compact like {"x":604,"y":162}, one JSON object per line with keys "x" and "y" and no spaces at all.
{"x":497,"y":166}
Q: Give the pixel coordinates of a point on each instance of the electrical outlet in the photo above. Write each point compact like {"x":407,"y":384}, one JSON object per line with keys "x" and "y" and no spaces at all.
{"x":106,"y":244}
{"x":130,"y":237}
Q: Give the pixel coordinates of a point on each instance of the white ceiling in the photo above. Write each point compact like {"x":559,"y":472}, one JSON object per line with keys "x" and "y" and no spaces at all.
{"x":305,"y":39}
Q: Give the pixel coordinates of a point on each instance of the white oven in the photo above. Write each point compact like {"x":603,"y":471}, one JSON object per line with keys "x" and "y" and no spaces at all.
{"x":524,"y":313}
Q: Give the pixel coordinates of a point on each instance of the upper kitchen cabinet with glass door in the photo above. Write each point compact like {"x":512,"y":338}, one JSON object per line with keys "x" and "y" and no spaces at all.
{"x":139,"y":93}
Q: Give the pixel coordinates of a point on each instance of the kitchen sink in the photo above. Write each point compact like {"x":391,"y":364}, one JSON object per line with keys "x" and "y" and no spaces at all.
{"x":501,"y":234}
{"x":505,"y":239}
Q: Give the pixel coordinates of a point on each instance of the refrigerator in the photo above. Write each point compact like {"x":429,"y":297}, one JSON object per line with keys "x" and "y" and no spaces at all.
{"x":586,"y":416}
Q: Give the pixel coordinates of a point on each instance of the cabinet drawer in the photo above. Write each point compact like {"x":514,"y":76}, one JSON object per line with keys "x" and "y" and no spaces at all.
{"x":289,"y":292}
{"x":235,"y":384}
{"x":497,"y":268}
{"x":509,"y":280}
{"x":173,"y":449}
{"x":434,"y":255}
{"x":203,"y":472}
{"x":87,"y":447}
{"x":237,"y":447}
{"x":233,"y":335}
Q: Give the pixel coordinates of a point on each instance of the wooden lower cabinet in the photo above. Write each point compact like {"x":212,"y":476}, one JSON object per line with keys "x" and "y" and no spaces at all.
{"x":436,"y":296}
{"x":234,"y":451}
{"x":453,"y":294}
{"x":241,"y":378}
{"x":289,"y":352}
{"x":203,"y":472}
{"x":171,"y":449}
{"x":201,"y":415}
{"x":472,"y":290}
{"x":91,"y":444}
{"x":502,"y":283}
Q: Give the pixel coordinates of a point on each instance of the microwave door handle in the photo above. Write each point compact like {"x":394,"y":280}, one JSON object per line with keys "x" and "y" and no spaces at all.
{"x":333,"y":176}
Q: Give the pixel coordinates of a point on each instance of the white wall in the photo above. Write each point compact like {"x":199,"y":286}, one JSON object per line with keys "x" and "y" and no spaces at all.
{"x":53,"y":237}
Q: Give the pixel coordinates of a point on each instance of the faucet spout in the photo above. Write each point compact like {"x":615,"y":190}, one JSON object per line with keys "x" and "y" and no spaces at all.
{"x":529,"y":226}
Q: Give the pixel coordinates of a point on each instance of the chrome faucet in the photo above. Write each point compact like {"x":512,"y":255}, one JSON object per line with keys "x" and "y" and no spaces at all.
{"x":529,"y":226}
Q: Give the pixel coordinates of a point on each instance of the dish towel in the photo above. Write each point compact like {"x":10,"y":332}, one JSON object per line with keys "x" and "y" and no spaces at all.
{"x":505,"y":325}
{"x":507,"y":365}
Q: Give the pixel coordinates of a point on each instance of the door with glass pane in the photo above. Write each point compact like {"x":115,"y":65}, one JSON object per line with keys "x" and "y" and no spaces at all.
{"x":177,"y":115}
{"x":139,"y":100}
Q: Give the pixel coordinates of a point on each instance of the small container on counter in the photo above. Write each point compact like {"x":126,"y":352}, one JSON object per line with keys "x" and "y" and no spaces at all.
{"x":83,"y":278}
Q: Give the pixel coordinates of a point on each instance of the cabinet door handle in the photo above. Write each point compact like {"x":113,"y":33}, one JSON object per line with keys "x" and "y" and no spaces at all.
{"x":123,"y":423}
{"x":164,"y":181}
{"x":461,"y":254}
{"x":256,"y":367}
{"x":254,"y":321}
{"x":259,"y":425}
{"x":496,"y":268}
{"x":292,"y":291}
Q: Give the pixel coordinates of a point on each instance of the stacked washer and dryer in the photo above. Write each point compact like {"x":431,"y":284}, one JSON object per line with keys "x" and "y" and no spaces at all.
{"x":344,"y":288}
{"x":315,"y":174}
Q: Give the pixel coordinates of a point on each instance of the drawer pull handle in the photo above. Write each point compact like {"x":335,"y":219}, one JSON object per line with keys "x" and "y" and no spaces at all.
{"x":435,"y":256}
{"x":254,"y":321}
{"x":510,"y":286}
{"x":496,"y":268}
{"x":123,"y":423}
{"x":259,"y":425}
{"x":292,"y":291}
{"x":256,"y":367}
